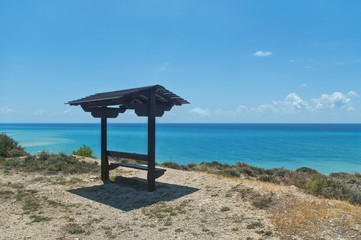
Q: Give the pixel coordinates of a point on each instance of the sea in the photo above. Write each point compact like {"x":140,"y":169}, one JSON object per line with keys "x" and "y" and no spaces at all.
{"x":324,"y":147}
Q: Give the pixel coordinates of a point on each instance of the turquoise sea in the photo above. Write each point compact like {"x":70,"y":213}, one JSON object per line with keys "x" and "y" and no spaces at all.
{"x":324,"y":147}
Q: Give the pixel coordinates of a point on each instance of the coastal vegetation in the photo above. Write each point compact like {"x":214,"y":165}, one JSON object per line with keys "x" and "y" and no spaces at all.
{"x":9,"y":147}
{"x":84,"y":151}
{"x":340,"y":186}
{"x":47,"y":163}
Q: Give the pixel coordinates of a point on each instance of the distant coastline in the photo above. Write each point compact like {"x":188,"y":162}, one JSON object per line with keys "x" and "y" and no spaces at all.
{"x":325,"y":147}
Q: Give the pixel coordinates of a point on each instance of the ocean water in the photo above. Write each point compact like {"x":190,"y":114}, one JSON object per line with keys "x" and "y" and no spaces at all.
{"x":324,"y":147}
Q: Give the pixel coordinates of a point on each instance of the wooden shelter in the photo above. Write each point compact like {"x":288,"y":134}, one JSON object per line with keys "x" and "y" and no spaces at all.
{"x":149,"y":102}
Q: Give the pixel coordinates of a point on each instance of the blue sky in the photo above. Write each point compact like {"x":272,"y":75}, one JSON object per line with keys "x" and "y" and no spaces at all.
{"x":235,"y":61}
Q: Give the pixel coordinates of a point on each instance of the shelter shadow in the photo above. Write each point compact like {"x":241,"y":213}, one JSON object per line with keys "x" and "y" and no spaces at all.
{"x":131,"y":193}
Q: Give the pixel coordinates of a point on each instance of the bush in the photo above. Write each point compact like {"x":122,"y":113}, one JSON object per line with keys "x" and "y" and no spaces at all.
{"x":225,"y":209}
{"x":246,"y":170}
{"x":16,"y":153}
{"x":7,"y":145}
{"x":84,"y":151}
{"x":51,"y":163}
{"x":310,"y":171}
{"x":231,"y":172}
{"x":267,"y":178}
{"x":174,"y":165}
{"x":262,"y":201}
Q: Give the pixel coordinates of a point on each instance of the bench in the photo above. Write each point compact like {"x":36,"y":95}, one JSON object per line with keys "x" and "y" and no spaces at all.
{"x":158,"y":171}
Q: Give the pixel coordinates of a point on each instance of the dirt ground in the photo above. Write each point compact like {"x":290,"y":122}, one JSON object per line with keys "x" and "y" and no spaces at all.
{"x":186,"y":205}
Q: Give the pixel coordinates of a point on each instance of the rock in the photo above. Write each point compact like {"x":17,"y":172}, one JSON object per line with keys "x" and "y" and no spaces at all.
{"x":356,"y":227}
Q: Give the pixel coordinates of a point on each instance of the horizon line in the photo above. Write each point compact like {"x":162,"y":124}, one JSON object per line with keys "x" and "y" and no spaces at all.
{"x":180,"y":123}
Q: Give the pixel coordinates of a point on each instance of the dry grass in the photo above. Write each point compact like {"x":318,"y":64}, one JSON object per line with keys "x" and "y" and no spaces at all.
{"x":293,"y":212}
{"x":306,"y":216}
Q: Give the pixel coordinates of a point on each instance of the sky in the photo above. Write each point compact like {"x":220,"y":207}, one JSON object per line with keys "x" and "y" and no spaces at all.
{"x":234,"y":61}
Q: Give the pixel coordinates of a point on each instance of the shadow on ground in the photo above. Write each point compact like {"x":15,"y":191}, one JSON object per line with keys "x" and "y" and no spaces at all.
{"x":131,"y":193}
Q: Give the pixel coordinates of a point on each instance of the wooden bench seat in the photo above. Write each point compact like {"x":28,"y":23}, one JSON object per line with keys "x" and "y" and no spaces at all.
{"x":158,"y":171}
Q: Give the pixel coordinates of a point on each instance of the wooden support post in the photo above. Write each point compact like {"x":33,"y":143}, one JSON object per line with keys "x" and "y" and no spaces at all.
{"x":104,"y":156}
{"x":151,"y":141}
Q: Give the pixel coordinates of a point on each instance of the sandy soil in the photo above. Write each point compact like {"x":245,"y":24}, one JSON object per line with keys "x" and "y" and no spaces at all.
{"x":186,"y":205}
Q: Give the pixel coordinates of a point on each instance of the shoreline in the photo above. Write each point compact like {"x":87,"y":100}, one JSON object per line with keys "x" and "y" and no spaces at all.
{"x":327,"y":149}
{"x":333,"y":149}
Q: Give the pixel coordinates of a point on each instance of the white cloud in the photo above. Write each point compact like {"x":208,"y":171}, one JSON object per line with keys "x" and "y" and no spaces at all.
{"x":67,"y":110}
{"x":264,"y":107}
{"x":292,"y":103}
{"x":262,"y":54}
{"x":218,"y":111}
{"x":6,"y":109}
{"x":292,"y":61}
{"x":303,"y":85}
{"x":241,"y":108}
{"x":352,"y":94}
{"x":339,"y":63}
{"x":202,"y":112}
{"x":336,"y":100}
{"x":40,"y":111}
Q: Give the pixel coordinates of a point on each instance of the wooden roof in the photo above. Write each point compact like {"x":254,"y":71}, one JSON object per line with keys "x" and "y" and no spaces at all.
{"x":129,"y":97}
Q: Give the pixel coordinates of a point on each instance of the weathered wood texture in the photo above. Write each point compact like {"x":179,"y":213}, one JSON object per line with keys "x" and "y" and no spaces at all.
{"x":141,"y":157}
{"x":104,"y":156}
{"x":158,"y":171}
{"x":151,"y":141}
{"x":104,"y":112}
{"x":130,"y":96}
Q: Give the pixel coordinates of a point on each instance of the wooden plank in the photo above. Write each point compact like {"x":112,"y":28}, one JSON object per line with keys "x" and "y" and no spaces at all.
{"x":158,"y":171}
{"x":104,"y":157}
{"x":124,"y":96}
{"x":98,"y":114}
{"x":142,"y":109}
{"x":140,"y":167}
{"x":151,"y":141}
{"x":120,"y":109}
{"x":143,"y":96}
{"x":103,"y":112}
{"x":162,"y":98}
{"x":141,"y":157}
{"x":137,"y":100}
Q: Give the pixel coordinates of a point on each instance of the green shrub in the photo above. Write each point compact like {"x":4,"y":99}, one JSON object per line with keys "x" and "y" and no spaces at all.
{"x":225,"y":209}
{"x":36,"y":218}
{"x":174,"y":165}
{"x":84,"y":151}
{"x":267,"y":178}
{"x":269,"y":171}
{"x":254,"y":225}
{"x":310,"y":171}
{"x":316,"y":185}
{"x":247,"y":171}
{"x":9,"y":145}
{"x":231,"y":172}
{"x":51,"y":163}
{"x":75,"y":229}
{"x":262,"y":201}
